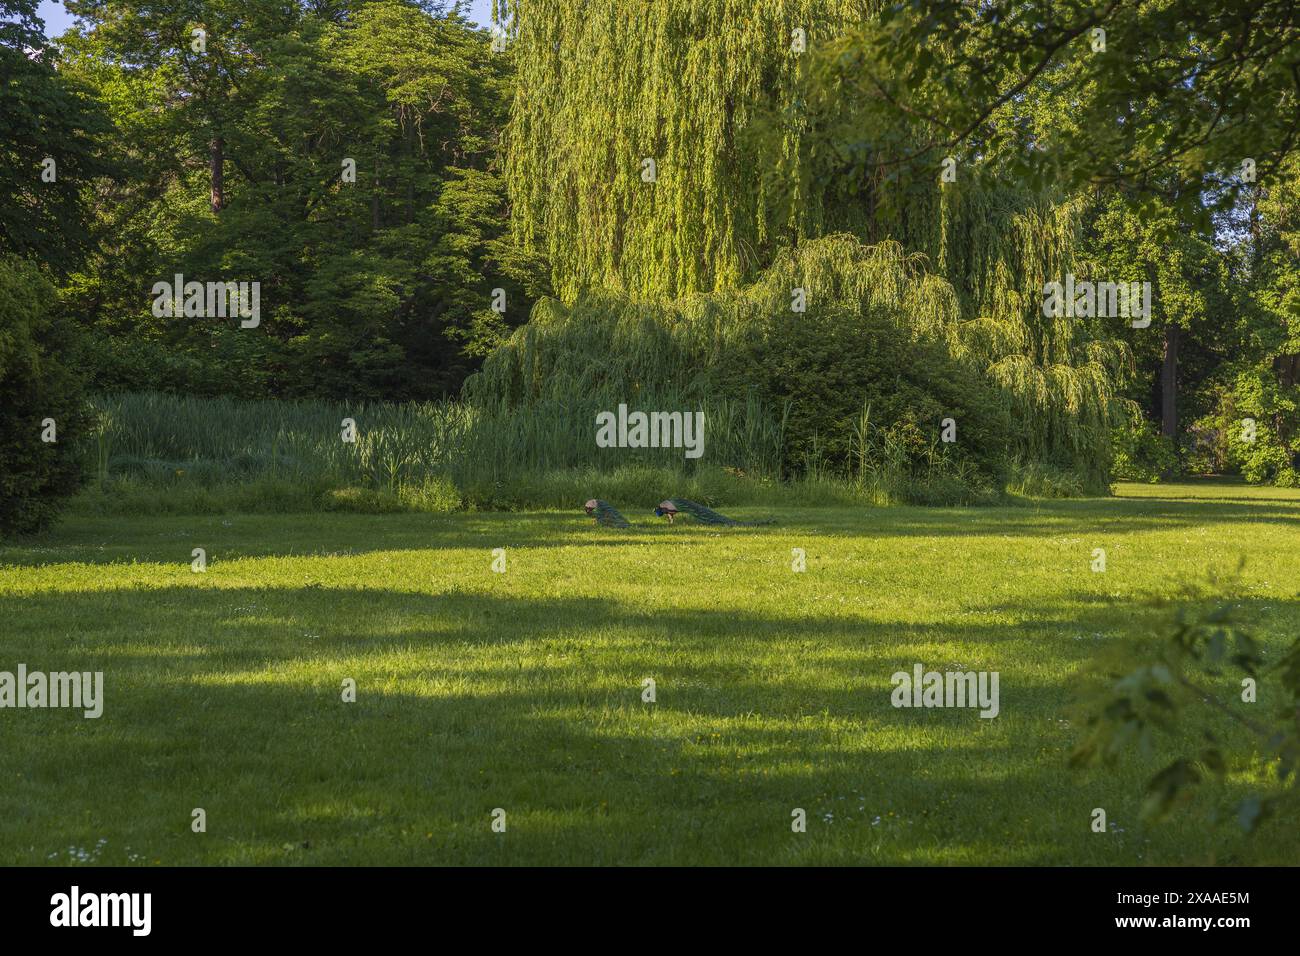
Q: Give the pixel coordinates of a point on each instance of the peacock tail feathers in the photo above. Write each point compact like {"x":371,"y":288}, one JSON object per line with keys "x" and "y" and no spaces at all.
{"x":709,"y":516}
{"x":608,"y":516}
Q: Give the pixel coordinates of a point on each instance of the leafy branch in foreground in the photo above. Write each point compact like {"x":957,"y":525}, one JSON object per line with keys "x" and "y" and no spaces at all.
{"x":1166,"y":689}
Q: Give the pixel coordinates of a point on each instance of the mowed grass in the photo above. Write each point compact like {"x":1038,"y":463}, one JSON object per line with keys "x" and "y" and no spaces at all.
{"x":523,"y":690}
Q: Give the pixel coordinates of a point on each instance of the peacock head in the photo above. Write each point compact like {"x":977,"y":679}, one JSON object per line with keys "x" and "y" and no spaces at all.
{"x":590,"y":506}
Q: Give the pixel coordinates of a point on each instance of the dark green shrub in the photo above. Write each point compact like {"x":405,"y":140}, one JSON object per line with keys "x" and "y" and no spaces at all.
{"x":854,"y":385}
{"x":37,"y":394}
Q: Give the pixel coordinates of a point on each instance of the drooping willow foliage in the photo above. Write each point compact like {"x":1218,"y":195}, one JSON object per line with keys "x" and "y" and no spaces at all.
{"x":879,"y":328}
{"x":604,"y":85}
{"x":609,"y":346}
{"x":711,"y":91}
{"x":1063,"y":385}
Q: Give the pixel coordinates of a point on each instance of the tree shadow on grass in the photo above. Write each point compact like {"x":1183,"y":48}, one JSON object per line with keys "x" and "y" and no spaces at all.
{"x":468,"y":702}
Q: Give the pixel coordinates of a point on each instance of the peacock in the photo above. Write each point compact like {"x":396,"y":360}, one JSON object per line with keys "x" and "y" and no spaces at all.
{"x":605,"y":514}
{"x":669,"y":509}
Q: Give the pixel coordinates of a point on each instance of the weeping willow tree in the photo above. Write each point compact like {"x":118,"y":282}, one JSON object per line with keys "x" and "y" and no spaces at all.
{"x":604,"y":86}
{"x":662,"y":150}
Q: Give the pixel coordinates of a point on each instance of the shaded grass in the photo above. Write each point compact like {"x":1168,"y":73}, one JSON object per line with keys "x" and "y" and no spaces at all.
{"x":523,"y":690}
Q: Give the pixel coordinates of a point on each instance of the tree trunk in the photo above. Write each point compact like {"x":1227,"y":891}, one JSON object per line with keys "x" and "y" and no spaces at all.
{"x":1287,"y":368}
{"x":217,"y":162}
{"x":1169,"y":383}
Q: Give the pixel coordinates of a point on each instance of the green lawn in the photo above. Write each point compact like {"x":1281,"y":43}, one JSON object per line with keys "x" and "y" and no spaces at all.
{"x":522,"y":690}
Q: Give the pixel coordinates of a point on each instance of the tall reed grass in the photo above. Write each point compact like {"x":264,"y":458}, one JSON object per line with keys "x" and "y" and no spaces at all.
{"x":156,"y":453}
{"x":433,"y":455}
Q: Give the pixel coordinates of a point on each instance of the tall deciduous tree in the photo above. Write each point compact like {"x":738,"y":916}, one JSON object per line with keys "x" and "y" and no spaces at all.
{"x":342,"y":155}
{"x":49,"y":149}
{"x":1193,"y":313}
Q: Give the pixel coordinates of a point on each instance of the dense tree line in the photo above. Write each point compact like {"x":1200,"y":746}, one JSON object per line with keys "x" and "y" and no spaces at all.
{"x":343,"y":155}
